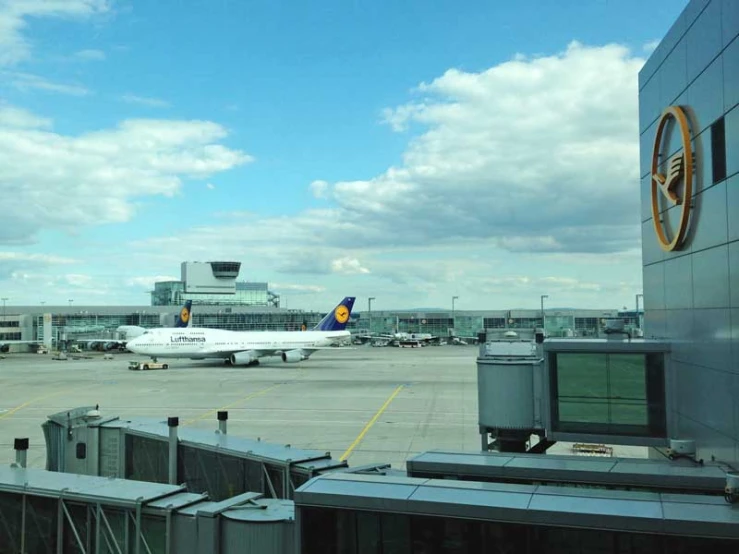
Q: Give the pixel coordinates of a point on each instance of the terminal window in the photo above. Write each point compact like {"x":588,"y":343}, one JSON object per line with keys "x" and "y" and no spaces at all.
{"x":608,"y":394}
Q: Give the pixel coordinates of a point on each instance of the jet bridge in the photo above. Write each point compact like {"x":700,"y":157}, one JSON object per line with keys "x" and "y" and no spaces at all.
{"x":43,"y":512}
{"x":84,"y":441}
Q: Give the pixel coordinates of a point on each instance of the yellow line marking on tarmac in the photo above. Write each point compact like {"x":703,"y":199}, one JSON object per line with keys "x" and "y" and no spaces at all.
{"x":33,"y":401}
{"x":244,"y":399}
{"x":371,"y":422}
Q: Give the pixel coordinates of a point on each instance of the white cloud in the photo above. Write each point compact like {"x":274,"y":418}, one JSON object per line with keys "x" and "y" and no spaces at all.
{"x":38,"y":258}
{"x":78,"y":279}
{"x":526,"y":171}
{"x":14,"y":15}
{"x":12,"y":263}
{"x":147,"y":282}
{"x":295,"y":288}
{"x":61,"y":187}
{"x":348,"y":266}
{"x":22,"y":119}
{"x":26,"y":81}
{"x":319,"y":189}
{"x":210,"y":186}
{"x":650,"y":46}
{"x":145,"y":101}
{"x":90,"y":55}
{"x":535,"y":154}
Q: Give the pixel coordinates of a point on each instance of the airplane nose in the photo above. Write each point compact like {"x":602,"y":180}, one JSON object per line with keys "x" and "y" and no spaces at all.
{"x":133,"y":344}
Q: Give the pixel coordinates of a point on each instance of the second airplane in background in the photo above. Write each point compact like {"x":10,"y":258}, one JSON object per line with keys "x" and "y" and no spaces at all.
{"x":246,"y":347}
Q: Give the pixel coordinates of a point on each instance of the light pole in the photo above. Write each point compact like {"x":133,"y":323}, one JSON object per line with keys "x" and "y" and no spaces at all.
{"x":543,"y":296}
{"x":638,"y":322}
{"x":369,"y":314}
{"x":454,"y":323}
{"x":4,"y":301}
{"x":70,"y":302}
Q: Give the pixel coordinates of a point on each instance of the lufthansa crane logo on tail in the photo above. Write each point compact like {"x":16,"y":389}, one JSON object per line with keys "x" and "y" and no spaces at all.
{"x":341,"y":314}
{"x":184,"y":315}
{"x":678,"y":171}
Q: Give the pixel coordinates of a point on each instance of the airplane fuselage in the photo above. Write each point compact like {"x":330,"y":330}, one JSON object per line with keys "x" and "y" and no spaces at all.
{"x":198,"y":343}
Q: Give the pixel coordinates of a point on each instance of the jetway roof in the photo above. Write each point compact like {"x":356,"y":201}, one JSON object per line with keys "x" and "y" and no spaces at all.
{"x":641,"y":512}
{"x":85,"y":488}
{"x":654,"y":474}
{"x":594,"y":345}
{"x":229,"y":444}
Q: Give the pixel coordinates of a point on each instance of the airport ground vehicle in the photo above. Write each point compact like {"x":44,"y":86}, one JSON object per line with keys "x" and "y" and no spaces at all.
{"x":147,"y":365}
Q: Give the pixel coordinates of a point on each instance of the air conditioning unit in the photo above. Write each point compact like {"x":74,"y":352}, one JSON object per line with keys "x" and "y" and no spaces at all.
{"x":681,"y":447}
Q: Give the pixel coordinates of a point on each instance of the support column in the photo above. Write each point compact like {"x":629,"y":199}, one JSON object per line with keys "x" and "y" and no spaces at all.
{"x":222,"y":422}
{"x":21,"y":451}
{"x":173,"y":423}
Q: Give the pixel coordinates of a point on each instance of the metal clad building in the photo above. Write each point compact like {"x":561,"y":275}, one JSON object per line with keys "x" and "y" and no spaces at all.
{"x":689,"y":95}
{"x":212,"y":283}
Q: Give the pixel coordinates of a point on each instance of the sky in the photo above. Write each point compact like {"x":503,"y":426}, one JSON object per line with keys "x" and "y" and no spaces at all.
{"x":409,"y":151}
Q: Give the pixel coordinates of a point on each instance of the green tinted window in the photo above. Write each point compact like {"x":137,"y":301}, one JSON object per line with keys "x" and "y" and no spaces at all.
{"x":616,"y":394}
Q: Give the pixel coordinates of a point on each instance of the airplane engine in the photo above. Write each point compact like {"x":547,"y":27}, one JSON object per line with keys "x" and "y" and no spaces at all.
{"x":4,"y":348}
{"x":243,"y":358}
{"x":292,"y":356}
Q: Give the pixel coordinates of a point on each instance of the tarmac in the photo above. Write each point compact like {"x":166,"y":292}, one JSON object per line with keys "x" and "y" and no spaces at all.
{"x":365,"y":405}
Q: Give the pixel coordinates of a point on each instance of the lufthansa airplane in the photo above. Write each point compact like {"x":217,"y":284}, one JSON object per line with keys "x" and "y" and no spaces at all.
{"x":246,"y":347}
{"x":130,"y":332}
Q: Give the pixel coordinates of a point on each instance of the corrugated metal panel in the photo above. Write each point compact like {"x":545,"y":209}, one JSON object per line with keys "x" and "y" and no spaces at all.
{"x":110,"y":453}
{"x":260,"y":526}
{"x":54,"y":445}
{"x":241,"y":537}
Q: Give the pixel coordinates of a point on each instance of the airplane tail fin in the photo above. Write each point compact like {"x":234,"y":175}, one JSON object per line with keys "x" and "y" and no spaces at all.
{"x":183,"y":318}
{"x":337,"y":318}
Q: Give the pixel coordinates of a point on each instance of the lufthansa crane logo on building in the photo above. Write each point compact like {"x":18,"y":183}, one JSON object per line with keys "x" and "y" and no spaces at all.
{"x":678,"y":170}
{"x":341,"y":314}
{"x":184,"y":315}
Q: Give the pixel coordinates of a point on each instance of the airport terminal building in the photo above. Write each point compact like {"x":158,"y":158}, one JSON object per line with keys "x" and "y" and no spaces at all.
{"x":689,"y":125}
{"x":70,"y":323}
{"x":212,"y":283}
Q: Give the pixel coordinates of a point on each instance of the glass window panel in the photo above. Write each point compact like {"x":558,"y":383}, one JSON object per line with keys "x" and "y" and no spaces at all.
{"x":609,"y":394}
{"x":582,"y":376}
{"x":583,"y":412}
{"x":318,"y":530}
{"x":10,"y":522}
{"x":424,"y":534}
{"x":396,"y":533}
{"x":368,"y":533}
{"x":628,"y":389}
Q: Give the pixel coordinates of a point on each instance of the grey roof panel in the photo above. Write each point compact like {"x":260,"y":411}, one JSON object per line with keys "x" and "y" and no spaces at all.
{"x":527,"y":504}
{"x":655,"y":474}
{"x":587,"y":511}
{"x":264,"y":510}
{"x":714,"y":518}
{"x":477,"y":504}
{"x":477,"y":485}
{"x":178,"y":500}
{"x":238,"y":446}
{"x":568,"y":464}
{"x":605,"y":345}
{"x":101,"y":489}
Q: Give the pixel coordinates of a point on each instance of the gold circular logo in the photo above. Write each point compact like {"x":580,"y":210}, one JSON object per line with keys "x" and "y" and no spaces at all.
{"x":341,"y":314}
{"x":678,"y":169}
{"x":184,"y":315}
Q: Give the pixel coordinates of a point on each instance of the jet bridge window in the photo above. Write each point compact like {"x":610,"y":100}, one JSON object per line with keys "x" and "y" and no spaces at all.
{"x":611,"y":394}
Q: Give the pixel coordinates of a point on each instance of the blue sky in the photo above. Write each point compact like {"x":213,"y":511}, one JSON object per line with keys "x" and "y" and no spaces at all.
{"x":408,"y":152}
